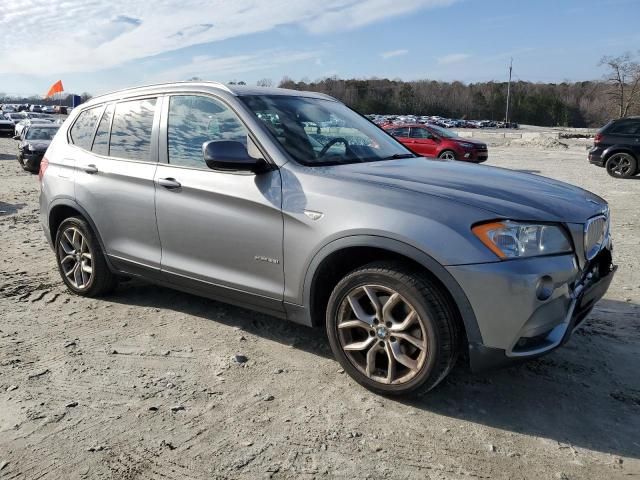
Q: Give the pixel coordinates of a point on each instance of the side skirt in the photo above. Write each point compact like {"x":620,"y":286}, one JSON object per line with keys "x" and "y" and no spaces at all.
{"x":200,"y":288}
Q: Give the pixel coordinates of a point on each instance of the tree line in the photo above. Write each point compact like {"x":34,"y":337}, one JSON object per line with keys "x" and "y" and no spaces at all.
{"x":577,"y":104}
{"x":567,"y":104}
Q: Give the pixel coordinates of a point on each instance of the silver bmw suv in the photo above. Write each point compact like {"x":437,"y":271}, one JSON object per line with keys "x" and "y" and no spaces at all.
{"x":292,"y":204}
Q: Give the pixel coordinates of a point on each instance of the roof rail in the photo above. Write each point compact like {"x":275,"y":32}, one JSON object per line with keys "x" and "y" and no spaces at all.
{"x":222,"y":86}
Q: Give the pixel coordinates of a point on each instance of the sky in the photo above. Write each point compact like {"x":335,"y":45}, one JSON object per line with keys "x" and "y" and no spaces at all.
{"x":100,"y":45}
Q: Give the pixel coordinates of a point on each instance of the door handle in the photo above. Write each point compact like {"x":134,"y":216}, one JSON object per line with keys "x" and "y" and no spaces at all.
{"x":91,"y":168}
{"x":170,"y":183}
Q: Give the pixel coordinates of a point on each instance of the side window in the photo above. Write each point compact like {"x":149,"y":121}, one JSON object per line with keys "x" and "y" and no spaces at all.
{"x":420,"y":133}
{"x":131,"y":129}
{"x":400,"y":132}
{"x":101,"y":142}
{"x":194,"y":120}
{"x":625,"y":128}
{"x":81,"y":132}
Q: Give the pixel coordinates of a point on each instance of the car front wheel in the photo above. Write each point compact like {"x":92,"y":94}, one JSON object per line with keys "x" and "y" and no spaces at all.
{"x":447,"y":155}
{"x":80,"y":259}
{"x":392,"y":328}
{"x":621,"y":165}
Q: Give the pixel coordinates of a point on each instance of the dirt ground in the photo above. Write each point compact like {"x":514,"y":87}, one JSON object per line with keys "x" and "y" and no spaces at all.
{"x":144,"y":383}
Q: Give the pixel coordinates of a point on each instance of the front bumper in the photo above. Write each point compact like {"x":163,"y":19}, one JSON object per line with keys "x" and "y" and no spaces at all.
{"x":32,"y":160}
{"x":476,"y":156}
{"x":526,"y":308}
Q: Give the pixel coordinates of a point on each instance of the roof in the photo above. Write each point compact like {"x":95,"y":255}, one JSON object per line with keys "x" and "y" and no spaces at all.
{"x":236,"y":90}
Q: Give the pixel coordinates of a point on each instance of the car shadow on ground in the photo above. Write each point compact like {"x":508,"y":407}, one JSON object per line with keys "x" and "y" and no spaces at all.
{"x":4,"y":156}
{"x":138,"y":292}
{"x":565,"y":397}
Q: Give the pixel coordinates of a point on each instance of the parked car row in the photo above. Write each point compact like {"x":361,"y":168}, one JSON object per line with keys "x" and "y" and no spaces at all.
{"x":13,"y":123}
{"x":26,"y":107}
{"x":384,"y":120}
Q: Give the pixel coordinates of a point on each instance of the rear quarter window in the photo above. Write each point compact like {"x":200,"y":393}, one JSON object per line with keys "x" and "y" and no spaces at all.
{"x":81,"y":133}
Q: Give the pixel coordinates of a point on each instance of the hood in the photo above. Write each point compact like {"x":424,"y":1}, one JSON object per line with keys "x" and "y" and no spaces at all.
{"x":504,"y":193}
{"x":38,"y":145}
{"x":467,"y":140}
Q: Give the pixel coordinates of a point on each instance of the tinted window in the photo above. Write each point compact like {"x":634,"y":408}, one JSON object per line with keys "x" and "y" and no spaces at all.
{"x":82,"y":131}
{"x":101,"y":142}
{"x":400,"y":132}
{"x":131,"y":129}
{"x":420,"y":133}
{"x":194,"y":120}
{"x":625,"y":128}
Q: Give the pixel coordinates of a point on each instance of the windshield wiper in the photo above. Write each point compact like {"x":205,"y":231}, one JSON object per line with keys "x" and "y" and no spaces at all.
{"x":397,"y":156}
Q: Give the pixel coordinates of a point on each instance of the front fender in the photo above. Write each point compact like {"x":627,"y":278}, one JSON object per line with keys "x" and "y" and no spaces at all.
{"x":303,"y":315}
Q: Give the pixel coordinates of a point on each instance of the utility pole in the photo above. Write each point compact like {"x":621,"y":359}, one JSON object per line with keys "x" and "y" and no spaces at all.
{"x":506,"y":118}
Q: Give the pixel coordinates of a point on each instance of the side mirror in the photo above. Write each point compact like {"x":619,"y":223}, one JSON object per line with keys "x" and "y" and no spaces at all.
{"x":232,"y":157}
{"x":16,"y":137}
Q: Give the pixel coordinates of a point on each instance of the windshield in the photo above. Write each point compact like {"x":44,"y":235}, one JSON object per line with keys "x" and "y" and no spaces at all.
{"x":443,"y":132}
{"x":319,"y":132}
{"x":40,"y":133}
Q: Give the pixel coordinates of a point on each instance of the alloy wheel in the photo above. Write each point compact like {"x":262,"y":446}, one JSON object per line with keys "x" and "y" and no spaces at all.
{"x":448,"y":156}
{"x":75,"y":258}
{"x":620,"y":165}
{"x":382,"y":334}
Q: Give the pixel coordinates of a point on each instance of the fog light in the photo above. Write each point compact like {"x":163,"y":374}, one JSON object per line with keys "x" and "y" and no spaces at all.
{"x":467,"y":155}
{"x":545,"y":288}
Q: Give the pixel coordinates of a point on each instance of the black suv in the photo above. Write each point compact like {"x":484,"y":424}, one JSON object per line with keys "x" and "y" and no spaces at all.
{"x":616,"y":146}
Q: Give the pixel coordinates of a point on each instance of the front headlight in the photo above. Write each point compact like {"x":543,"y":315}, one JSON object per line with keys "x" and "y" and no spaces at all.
{"x":466,"y":145}
{"x":509,"y":239}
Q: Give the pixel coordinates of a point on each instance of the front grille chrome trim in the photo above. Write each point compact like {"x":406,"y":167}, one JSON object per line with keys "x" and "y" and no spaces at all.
{"x":596,"y":231}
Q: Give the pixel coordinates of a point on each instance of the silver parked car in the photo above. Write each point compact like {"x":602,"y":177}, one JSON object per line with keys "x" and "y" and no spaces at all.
{"x":292,"y":204}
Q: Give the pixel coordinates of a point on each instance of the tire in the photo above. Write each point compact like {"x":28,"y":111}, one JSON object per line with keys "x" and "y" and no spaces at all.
{"x":621,"y":165}
{"x":21,"y":161}
{"x":447,"y":155}
{"x":74,"y":240}
{"x":422,"y":362}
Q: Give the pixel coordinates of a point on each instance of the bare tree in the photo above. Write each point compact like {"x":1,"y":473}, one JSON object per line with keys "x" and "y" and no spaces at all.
{"x":624,"y":78}
{"x":264,"y":82}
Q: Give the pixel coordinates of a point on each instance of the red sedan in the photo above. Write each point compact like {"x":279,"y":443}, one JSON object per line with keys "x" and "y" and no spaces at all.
{"x":432,"y":141}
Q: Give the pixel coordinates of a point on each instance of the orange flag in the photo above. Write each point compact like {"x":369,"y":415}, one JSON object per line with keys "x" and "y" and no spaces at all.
{"x":55,"y":88}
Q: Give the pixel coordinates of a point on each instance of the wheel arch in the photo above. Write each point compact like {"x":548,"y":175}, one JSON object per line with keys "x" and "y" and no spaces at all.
{"x":64,"y":208}
{"x":343,"y":255}
{"x":618,"y":149}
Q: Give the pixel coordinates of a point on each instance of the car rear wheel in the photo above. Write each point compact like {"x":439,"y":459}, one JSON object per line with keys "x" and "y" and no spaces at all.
{"x":80,"y":259}
{"x":447,"y":155}
{"x":621,"y":165}
{"x":392,"y":328}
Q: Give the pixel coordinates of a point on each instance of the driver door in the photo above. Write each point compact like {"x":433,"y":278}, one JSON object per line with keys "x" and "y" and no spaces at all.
{"x":220,"y":232}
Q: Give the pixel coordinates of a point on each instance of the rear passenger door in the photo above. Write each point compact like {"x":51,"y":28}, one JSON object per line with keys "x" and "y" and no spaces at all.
{"x":221,"y":232}
{"x":114,"y":181}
